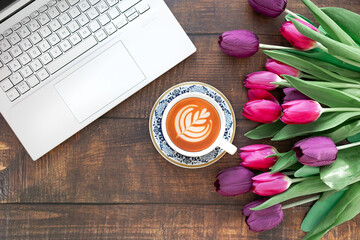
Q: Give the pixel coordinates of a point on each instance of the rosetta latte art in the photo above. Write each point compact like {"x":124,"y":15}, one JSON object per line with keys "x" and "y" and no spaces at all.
{"x":193,"y":125}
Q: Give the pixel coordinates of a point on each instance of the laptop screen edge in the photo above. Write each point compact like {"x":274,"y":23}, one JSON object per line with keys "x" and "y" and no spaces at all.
{"x":12,"y":8}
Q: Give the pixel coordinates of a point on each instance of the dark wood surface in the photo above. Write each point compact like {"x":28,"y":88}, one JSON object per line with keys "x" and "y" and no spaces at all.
{"x":109,"y":182}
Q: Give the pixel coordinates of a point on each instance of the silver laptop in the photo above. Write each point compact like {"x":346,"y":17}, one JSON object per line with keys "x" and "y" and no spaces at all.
{"x":64,"y":63}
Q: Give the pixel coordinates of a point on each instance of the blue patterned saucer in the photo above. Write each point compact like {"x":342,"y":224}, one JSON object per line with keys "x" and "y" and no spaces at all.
{"x":155,"y":125}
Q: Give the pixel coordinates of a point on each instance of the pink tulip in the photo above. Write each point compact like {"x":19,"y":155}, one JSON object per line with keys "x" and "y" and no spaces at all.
{"x":256,"y":94}
{"x":281,"y":68}
{"x":301,"y":112}
{"x":255,"y":156}
{"x":267,"y":184}
{"x":263,"y":111}
{"x":262,"y":80}
{"x":299,"y":41}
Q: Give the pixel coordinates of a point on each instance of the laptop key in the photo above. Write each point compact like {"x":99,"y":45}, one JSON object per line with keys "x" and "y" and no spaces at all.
{"x":44,"y":19}
{"x":64,"y":33}
{"x":65,"y":45}
{"x":13,"y":94}
{"x":110,"y":28}
{"x":45,"y":58}
{"x":133,"y":16}
{"x":112,"y":2}
{"x":23,"y":87}
{"x":8,"y":32}
{"x":85,"y":32}
{"x":44,"y":45}
{"x":84,"y":5}
{"x":104,"y":19}
{"x":16,"y":26}
{"x":72,"y":54}
{"x":55,"y":25}
{"x":63,"y":6}
{"x":94,"y":26}
{"x":16,"y":78}
{"x":74,"y":12}
{"x":54,"y":39}
{"x":4,"y":72}
{"x":34,"y":52}
{"x":33,"y":81}
{"x":26,"y":71}
{"x":143,"y":8}
{"x":6,"y":85}
{"x":45,"y":31}
{"x":93,"y":2}
{"x":100,"y":35}
{"x":14,"y":65}
{"x":24,"y":32}
{"x":75,"y":39}
{"x":36,"y":65}
{"x":42,"y":74}
{"x":55,"y":52}
{"x":15,"y":51}
{"x":25,"y":59}
{"x":14,"y":38}
{"x":53,"y":12}
{"x":25,"y":44}
{"x":4,"y":45}
{"x":64,"y":18}
{"x":83,"y":20}
{"x":35,"y":38}
{"x":33,"y":25}
{"x":92,"y":13}
{"x":126,"y":4}
{"x":5,"y":57}
{"x":130,"y":12}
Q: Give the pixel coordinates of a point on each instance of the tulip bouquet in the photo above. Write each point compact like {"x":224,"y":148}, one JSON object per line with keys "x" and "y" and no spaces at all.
{"x":320,"y":78}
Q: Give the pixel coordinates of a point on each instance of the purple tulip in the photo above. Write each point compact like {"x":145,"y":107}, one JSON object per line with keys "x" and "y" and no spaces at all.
{"x":234,"y":181}
{"x":262,"y":80}
{"x":269,"y":8}
{"x":258,"y":94}
{"x":255,"y":156}
{"x":262,"y":220}
{"x":267,"y":184}
{"x":316,"y":151}
{"x":292,"y":94}
{"x":239,"y":43}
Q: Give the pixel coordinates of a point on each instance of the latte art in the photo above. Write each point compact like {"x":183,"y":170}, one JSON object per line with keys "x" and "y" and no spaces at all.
{"x":193,"y":127}
{"x":193,"y":124}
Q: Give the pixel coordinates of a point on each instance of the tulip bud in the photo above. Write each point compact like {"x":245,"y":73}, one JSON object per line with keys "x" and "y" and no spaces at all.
{"x":262,"y":220}
{"x":301,"y":112}
{"x":269,"y":8}
{"x":316,"y":151}
{"x":239,"y":43}
{"x":299,"y":41}
{"x":292,"y":94}
{"x":267,"y":184}
{"x":262,"y":80}
{"x":234,"y":181}
{"x":258,"y":94}
{"x":263,"y":111}
{"x":255,"y":156}
{"x":281,"y":68}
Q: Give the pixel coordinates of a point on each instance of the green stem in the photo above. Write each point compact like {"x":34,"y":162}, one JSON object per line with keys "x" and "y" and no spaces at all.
{"x":325,"y":110}
{"x":348,"y":145}
{"x":311,"y":199}
{"x":293,"y":14}
{"x":295,"y":180}
{"x":289,"y":173}
{"x":267,"y":46}
{"x":345,"y":60}
{"x":336,"y":85}
{"x":282,"y":84}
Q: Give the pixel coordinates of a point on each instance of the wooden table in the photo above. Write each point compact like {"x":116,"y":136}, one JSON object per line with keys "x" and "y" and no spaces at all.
{"x":109,"y":182}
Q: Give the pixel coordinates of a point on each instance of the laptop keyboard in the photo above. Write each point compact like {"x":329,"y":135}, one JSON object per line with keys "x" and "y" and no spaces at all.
{"x":59,"y":32}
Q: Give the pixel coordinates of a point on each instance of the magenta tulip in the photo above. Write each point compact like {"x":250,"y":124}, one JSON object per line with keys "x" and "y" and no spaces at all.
{"x":239,"y":43}
{"x":316,"y":151}
{"x":299,"y":41}
{"x":234,"y":181}
{"x":262,"y":80}
{"x":267,"y":184}
{"x":255,"y":156}
{"x":301,"y":112}
{"x":258,"y":94}
{"x":263,"y":111}
{"x":265,"y":219}
{"x":281,"y":68}
{"x":292,"y":94}
{"x":269,"y":8}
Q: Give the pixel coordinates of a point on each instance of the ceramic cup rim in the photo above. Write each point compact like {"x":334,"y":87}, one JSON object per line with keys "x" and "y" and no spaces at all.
{"x":218,"y":109}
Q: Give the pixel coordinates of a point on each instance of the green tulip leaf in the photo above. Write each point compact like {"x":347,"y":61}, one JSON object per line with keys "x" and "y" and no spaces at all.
{"x":344,"y":171}
{"x":328,"y":96}
{"x":347,"y":20}
{"x":307,"y":171}
{"x":309,"y":186}
{"x":324,"y":122}
{"x":288,"y":17}
{"x":335,"y":48}
{"x":343,"y":131}
{"x":320,"y":209}
{"x":345,"y":209}
{"x":319,"y":54}
{"x":285,"y":161}
{"x":265,"y":130}
{"x":352,"y":91}
{"x":329,"y":25}
{"x":307,"y":66}
{"x":354,"y":138}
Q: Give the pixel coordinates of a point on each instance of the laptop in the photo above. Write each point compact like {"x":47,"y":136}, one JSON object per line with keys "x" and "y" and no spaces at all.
{"x":64,"y":63}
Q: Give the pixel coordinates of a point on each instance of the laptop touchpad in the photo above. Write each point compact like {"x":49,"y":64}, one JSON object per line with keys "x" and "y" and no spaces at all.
{"x":100,"y":81}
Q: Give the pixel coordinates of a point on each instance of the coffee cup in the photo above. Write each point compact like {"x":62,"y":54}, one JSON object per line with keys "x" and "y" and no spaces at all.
{"x":193,"y":124}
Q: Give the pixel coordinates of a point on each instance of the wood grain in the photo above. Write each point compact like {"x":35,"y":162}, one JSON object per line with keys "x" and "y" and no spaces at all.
{"x":150,"y":221}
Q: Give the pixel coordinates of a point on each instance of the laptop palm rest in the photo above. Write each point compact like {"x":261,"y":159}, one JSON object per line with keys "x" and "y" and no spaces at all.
{"x":100,"y":81}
